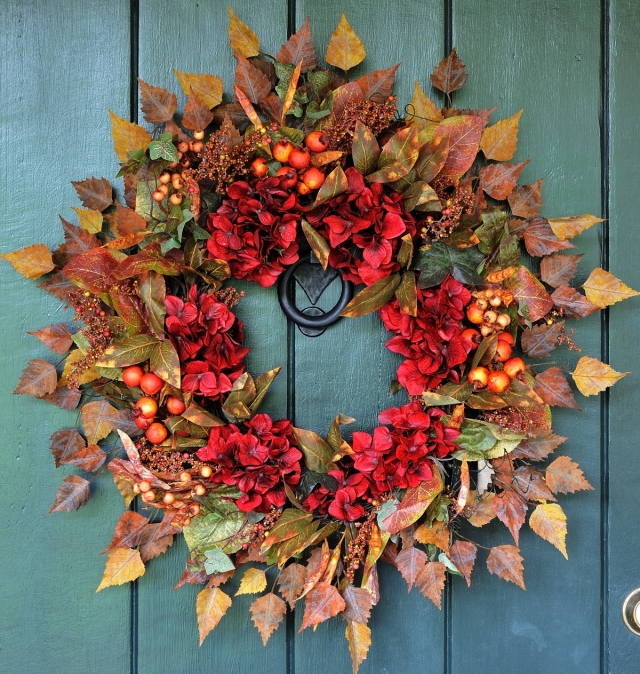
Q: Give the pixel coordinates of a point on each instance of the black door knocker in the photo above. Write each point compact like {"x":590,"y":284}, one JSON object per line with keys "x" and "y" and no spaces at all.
{"x":314,"y":280}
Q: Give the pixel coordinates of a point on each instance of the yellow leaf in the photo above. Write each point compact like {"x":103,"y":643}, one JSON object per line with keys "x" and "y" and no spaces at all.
{"x":604,"y":289}
{"x":89,"y":219}
{"x":207,"y":88}
{"x":253,"y":581}
{"x":32,"y":261}
{"x":500,"y":140}
{"x":567,"y":228}
{"x":127,"y":136}
{"x":549,"y":522}
{"x":87,"y":375}
{"x":359,"y":638}
{"x":99,"y":418}
{"x":123,"y":565}
{"x":291,"y":92}
{"x":241,"y":38}
{"x":591,"y":376}
{"x":423,"y":109}
{"x":211,"y":605}
{"x":345,"y":50}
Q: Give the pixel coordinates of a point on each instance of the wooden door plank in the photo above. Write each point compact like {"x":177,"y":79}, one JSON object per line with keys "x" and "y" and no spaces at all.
{"x":623,"y":648}
{"x":192,"y":37}
{"x":544,"y":57}
{"x":58,"y":76}
{"x":348,"y":369}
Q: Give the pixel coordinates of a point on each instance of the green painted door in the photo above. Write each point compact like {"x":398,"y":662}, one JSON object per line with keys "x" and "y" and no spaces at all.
{"x":573,"y":66}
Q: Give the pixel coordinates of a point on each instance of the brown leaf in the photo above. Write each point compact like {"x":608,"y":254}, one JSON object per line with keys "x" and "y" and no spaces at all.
{"x":316,"y":567}
{"x":422,"y":109}
{"x":252,"y":81}
{"x":291,"y":582}
{"x":218,"y":579}
{"x":564,"y":475}
{"x":345,"y":50}
{"x":499,"y":180}
{"x":526,"y":288}
{"x":211,"y":605}
{"x":450,"y":74}
{"x":430,"y":581}
{"x":540,"y":340}
{"x":267,"y":613}
{"x":32,"y":262}
{"x":38,"y":379}
{"x":191,"y":576}
{"x":127,"y":221}
{"x":526,"y":200}
{"x":410,"y":562}
{"x":538,"y":448}
{"x":65,"y":444}
{"x":299,"y":47}
{"x":500,"y":140}
{"x":540,"y":240}
{"x":567,"y":228}
{"x":572,"y":302}
{"x":438,"y":534}
{"x":65,"y":398}
{"x":123,"y":565}
{"x":94,"y":193}
{"x":322,"y":602}
{"x":604,"y":289}
{"x":591,"y":376}
{"x":126,"y":241}
{"x":530,"y":483}
{"x":157,"y":104}
{"x":99,"y":418}
{"x":272,"y":107}
{"x":463,"y":555}
{"x":552,"y":386}
{"x":77,"y":240}
{"x":249,"y":110}
{"x":378,"y":83}
{"x":359,"y":638}
{"x":557,"y":270}
{"x":157,"y":538}
{"x":128,"y":533}
{"x":241,"y":38}
{"x":58,"y":285}
{"x":464,"y":140}
{"x":56,"y":337}
{"x":127,"y":136}
{"x":207,"y":88}
{"x":197,"y":115}
{"x":72,"y":494}
{"x":88,"y":459}
{"x":478,"y":509}
{"x":358,"y":604}
{"x":511,"y":510}
{"x":505,"y":562}
{"x":549,"y":522}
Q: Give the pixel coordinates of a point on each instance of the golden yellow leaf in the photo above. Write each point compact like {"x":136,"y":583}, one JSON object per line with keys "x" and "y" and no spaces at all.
{"x":604,"y":289}
{"x":567,"y":228}
{"x":291,"y":92}
{"x":99,"y":418}
{"x":359,"y":638}
{"x":500,"y":140}
{"x":208,"y":88}
{"x":123,"y":565}
{"x":89,"y":219}
{"x":127,"y":136}
{"x":87,"y":375}
{"x":591,"y":376}
{"x":126,"y":241}
{"x":437,"y":535}
{"x":211,"y":605}
{"x":345,"y":50}
{"x":549,"y":522}
{"x":253,"y":581}
{"x":422,"y":109}
{"x":241,"y":38}
{"x":32,"y":261}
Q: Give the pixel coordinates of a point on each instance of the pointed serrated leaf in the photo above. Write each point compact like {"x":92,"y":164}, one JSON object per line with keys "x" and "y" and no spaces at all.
{"x":410,"y":562}
{"x":197,"y":115}
{"x":158,"y":105}
{"x":592,"y":376}
{"x":322,"y":602}
{"x":526,"y":200}
{"x":211,"y":605}
{"x":540,"y":340}
{"x":567,"y":228}
{"x":38,"y":379}
{"x":499,"y":141}
{"x":565,"y":476}
{"x":94,"y":193}
{"x":359,"y":638}
{"x":511,"y":510}
{"x":32,"y":262}
{"x":463,"y":555}
{"x":505,"y":562}
{"x":573,"y":304}
{"x":430,"y":581}
{"x":499,"y":180}
{"x":207,"y":88}
{"x":422,"y":109}
{"x":299,"y":48}
{"x":127,"y":136}
{"x":378,"y":83}
{"x":253,"y":582}
{"x":464,"y":133}
{"x":241,"y":38}
{"x":449,"y":74}
{"x":123,"y":565}
{"x":267,"y":613}
{"x":557,"y":270}
{"x":549,"y":522}
{"x":56,"y":337}
{"x":345,"y":50}
{"x":603,"y":289}
{"x":552,"y":386}
{"x":72,"y":494}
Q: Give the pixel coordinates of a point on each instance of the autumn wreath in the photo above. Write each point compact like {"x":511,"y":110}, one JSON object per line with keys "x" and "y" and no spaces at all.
{"x":424,"y":211}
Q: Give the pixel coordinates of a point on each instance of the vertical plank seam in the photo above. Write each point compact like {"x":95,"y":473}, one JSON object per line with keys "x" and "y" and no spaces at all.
{"x":448,"y":27}
{"x":605,"y":126}
{"x":134,"y":51}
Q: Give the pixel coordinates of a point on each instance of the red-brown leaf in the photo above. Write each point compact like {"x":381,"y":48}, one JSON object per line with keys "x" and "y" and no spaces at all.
{"x":540,"y":340}
{"x":95,"y":193}
{"x":156,"y":539}
{"x":267,"y":613}
{"x":379,"y":83}
{"x":526,"y":200}
{"x":316,"y":566}
{"x":540,"y":240}
{"x":449,"y":74}
{"x":463,"y":555}
{"x":191,"y":577}
{"x":251,"y":80}
{"x":64,"y":397}
{"x":299,"y":47}
{"x":358,"y":604}
{"x":410,"y":562}
{"x":505,"y":562}
{"x":511,"y":510}
{"x":564,"y":475}
{"x":572,"y":302}
{"x":531,"y":484}
{"x":88,"y":459}
{"x":291,"y":582}
{"x":65,"y":444}
{"x":197,"y":115}
{"x":464,"y":134}
{"x":38,"y":379}
{"x":499,"y":180}
{"x":58,"y":285}
{"x":538,"y":448}
{"x":553,"y":387}
{"x":557,"y":270}
{"x":430,"y":581}
{"x":73,"y":494}
{"x":526,"y":288}
{"x":157,"y":104}
{"x":127,"y":221}
{"x":77,"y":240}
{"x":128,"y":531}
{"x":323,"y":602}
{"x":56,"y":337}
{"x":218,"y":579}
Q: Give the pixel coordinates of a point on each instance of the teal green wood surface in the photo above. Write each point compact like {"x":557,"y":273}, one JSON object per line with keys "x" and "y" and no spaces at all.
{"x":65,"y":63}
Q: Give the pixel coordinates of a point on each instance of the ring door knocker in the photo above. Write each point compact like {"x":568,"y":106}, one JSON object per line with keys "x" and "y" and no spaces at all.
{"x":314,"y":280}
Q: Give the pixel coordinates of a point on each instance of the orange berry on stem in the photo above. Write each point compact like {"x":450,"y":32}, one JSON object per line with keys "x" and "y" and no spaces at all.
{"x":514,"y":366}
{"x":150,"y":383}
{"x":475,"y":314}
{"x":506,"y":337}
{"x":168,"y":498}
{"x":259,"y":167}
{"x":156,"y":433}
{"x":200,"y":490}
{"x":175,"y":406}
{"x":289,"y":177}
{"x":299,"y":158}
{"x":142,"y":423}
{"x":282,"y":150}
{"x":473,"y":336}
{"x":206,"y":471}
{"x":165,"y":178}
{"x":503,"y":351}
{"x":157,"y":195}
{"x":313,"y":178}
{"x":478,"y":377}
{"x":316,"y":141}
{"x":498,"y":381}
{"x":144,"y":486}
{"x":185,"y":476}
{"x":132,"y":375}
{"x":198,"y":135}
{"x":175,"y":199}
{"x":147,"y":407}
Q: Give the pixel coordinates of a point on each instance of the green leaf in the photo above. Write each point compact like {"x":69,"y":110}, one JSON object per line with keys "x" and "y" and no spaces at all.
{"x":422,"y":195}
{"x":436,"y":261}
{"x":458,"y":391}
{"x":298,"y":543}
{"x":508,"y":254}
{"x":486,"y":351}
{"x":485,"y":400}
{"x":318,"y":243}
{"x":288,"y":525}
{"x":491,"y":230}
{"x":310,"y":479}
{"x":165,"y":362}
{"x":241,"y":397}
{"x":217,"y":562}
{"x":209,"y":530}
{"x":405,"y":254}
{"x":152,"y":291}
{"x":365,"y":149}
{"x":152,"y":258}
{"x":199,"y":416}
{"x":431,"y":157}
{"x":373,"y":297}
{"x":335,"y":183}
{"x":402,"y":148}
{"x":169,"y":244}
{"x":129,"y":351}
{"x":145,"y":205}
{"x":407,"y":295}
{"x":317,"y":452}
{"x":199,"y":234}
{"x":432,"y":399}
{"x":163,"y":148}
{"x":475,"y":437}
{"x":318,"y":80}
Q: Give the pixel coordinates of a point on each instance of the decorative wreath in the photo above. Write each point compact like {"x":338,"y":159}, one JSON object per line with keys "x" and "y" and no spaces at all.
{"x":425,"y":213}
